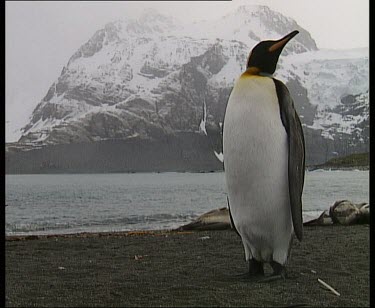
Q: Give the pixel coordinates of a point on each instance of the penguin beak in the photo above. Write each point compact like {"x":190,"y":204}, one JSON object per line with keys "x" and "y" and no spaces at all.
{"x":282,"y":42}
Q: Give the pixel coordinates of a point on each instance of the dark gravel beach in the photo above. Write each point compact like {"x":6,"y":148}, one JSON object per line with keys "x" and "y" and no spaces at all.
{"x":183,"y":269}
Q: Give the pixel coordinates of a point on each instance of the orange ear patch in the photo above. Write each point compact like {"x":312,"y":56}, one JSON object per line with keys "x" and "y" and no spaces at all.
{"x":251,"y":71}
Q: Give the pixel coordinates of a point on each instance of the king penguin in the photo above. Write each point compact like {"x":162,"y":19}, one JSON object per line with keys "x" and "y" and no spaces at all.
{"x":264,"y":162}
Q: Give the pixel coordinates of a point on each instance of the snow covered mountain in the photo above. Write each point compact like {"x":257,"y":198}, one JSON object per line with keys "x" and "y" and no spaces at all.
{"x":149,"y":77}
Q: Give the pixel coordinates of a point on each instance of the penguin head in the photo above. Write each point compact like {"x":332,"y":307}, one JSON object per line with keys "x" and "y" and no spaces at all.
{"x":264,"y":56}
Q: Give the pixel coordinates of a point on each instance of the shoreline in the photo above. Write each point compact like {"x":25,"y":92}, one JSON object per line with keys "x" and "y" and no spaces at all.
{"x":307,"y":168}
{"x":31,"y":237}
{"x":88,"y":234}
{"x":85,"y":234}
{"x":196,"y":268}
{"x":156,"y":232}
{"x":335,"y":168}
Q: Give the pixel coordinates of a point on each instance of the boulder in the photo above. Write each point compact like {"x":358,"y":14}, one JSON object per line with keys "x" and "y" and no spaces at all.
{"x":323,"y":220}
{"x":344,"y":212}
{"x":217,"y":219}
{"x":364,"y":210}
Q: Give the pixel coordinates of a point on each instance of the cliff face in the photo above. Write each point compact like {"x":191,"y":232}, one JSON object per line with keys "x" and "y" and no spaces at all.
{"x":149,"y":78}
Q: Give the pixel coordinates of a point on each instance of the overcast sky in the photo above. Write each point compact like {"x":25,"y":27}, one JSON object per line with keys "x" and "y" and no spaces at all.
{"x":42,"y":36}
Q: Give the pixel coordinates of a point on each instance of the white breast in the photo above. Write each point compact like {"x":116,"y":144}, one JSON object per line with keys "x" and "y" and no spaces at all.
{"x":256,"y":169}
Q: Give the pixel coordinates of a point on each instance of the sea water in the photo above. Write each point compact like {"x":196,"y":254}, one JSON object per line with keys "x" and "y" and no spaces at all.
{"x":70,"y":203}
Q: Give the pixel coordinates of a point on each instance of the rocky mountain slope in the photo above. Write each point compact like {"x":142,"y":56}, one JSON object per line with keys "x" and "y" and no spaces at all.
{"x":149,"y":78}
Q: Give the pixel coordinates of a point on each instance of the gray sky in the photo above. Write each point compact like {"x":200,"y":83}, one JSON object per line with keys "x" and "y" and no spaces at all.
{"x":42,"y":36}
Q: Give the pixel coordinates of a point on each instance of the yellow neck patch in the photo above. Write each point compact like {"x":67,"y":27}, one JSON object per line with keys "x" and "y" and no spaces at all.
{"x":251,"y":71}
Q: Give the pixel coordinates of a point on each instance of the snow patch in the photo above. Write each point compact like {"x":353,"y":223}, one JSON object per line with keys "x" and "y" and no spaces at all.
{"x":219,"y":156}
{"x":202,"y":125}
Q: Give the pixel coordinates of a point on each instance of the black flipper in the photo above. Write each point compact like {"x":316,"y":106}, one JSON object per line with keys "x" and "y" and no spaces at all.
{"x":296,"y":160}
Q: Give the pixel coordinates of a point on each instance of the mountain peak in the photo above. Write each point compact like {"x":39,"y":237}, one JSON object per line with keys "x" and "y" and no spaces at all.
{"x":147,"y":77}
{"x":152,"y":15}
{"x":252,"y":8}
{"x":151,"y":22}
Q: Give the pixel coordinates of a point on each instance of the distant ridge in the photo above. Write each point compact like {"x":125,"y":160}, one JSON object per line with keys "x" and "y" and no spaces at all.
{"x":353,"y":161}
{"x":147,"y":79}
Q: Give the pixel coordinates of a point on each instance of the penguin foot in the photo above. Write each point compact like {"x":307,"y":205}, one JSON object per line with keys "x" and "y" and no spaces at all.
{"x":278,"y":269}
{"x":279,"y":272}
{"x":247,"y":277}
{"x":255,"y":271}
{"x":255,"y":268}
